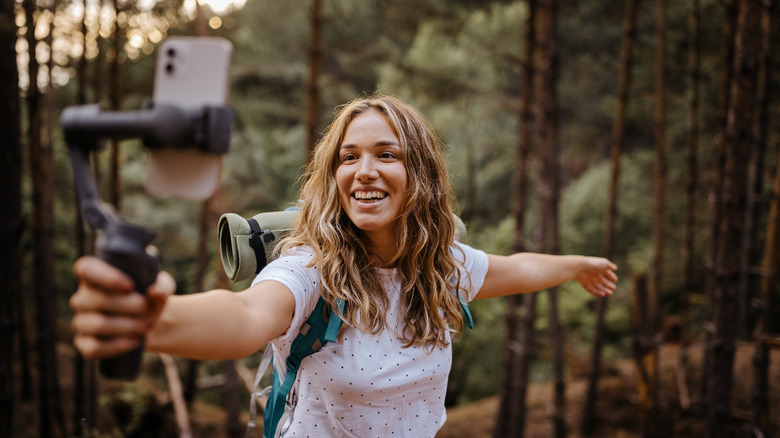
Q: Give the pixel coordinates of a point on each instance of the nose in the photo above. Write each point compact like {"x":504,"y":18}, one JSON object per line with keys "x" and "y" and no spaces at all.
{"x":366,"y":170}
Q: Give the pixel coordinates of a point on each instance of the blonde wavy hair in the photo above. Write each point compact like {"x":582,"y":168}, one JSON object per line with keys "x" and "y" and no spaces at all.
{"x":430,"y":274}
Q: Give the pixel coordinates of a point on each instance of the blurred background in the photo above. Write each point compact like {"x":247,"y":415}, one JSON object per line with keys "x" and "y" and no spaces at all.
{"x":646,"y":132}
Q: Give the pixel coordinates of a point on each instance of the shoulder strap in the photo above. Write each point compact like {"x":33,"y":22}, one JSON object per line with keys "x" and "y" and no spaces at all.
{"x":466,"y":313}
{"x":463,"y":304}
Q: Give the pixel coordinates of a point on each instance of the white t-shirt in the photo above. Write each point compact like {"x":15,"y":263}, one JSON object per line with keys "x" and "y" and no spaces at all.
{"x":365,"y":385}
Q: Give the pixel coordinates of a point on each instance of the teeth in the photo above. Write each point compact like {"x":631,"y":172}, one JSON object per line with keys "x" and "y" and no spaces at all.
{"x":369,"y":195}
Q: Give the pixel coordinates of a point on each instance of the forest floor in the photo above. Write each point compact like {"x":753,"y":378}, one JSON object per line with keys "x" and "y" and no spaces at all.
{"x":618,"y":413}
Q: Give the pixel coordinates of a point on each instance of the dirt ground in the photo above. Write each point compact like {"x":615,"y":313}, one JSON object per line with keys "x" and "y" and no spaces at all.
{"x":618,"y":413}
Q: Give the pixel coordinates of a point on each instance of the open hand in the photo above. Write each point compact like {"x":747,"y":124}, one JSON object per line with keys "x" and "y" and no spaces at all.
{"x":597,"y":276}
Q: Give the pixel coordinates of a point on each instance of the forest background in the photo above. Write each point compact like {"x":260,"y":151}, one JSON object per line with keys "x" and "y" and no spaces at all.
{"x":643,"y":131}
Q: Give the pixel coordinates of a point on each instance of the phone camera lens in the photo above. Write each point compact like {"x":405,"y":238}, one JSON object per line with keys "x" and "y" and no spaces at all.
{"x":171,"y":52}
{"x":169,"y":67}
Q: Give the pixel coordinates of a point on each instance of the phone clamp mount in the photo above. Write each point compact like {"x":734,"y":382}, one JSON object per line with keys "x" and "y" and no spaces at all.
{"x":122,"y":244}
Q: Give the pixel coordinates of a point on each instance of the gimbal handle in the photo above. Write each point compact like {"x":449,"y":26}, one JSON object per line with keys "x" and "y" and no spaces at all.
{"x":121,"y":244}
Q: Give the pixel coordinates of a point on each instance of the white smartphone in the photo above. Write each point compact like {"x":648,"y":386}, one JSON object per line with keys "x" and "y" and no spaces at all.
{"x":191,"y":72}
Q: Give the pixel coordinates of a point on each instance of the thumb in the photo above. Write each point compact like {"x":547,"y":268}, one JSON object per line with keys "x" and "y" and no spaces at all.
{"x":157,"y":294}
{"x":163,"y":287}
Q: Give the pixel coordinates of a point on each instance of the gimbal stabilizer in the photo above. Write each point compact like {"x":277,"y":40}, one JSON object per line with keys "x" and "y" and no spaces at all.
{"x":122,"y":244}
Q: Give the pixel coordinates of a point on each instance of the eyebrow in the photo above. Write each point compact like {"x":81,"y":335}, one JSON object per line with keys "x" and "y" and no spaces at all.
{"x":377,"y":144}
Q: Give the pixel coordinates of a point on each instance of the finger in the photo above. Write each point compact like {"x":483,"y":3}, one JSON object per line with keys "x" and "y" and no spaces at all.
{"x":602,"y":287}
{"x":95,"y":272}
{"x":89,"y":299}
{"x":603,"y":292}
{"x":607,"y":286}
{"x":106,"y":325}
{"x":96,"y":348}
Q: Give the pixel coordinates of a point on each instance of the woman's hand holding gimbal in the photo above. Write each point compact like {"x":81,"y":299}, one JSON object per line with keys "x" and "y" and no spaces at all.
{"x":110,"y":317}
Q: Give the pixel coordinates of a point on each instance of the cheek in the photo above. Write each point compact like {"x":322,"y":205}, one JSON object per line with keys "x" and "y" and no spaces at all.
{"x":403,"y":177}
{"x":343,"y":186}
{"x":341,"y":180}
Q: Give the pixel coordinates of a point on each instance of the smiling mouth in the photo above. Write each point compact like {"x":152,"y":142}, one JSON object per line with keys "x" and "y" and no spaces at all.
{"x":373,"y":196}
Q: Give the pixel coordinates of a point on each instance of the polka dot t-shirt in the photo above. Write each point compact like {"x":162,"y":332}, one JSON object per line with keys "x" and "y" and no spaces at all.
{"x":364,"y":385}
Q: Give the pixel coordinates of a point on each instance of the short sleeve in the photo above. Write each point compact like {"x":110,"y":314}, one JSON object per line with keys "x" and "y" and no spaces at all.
{"x":303,"y":281}
{"x":475,"y":263}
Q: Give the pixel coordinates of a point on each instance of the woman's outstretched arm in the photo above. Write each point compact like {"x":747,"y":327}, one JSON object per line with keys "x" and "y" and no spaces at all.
{"x":109,"y":317}
{"x":531,"y":272}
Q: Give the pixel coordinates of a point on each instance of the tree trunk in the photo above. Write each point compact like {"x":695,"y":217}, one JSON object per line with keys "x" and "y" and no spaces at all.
{"x":525,"y":357}
{"x":761,"y":383}
{"x":740,"y":138}
{"x":315,"y":55}
{"x":642,"y":343}
{"x":659,"y":216}
{"x":507,"y":408}
{"x":691,"y":184}
{"x":511,"y":416}
{"x":755,"y":185}
{"x":549,"y":183}
{"x":47,"y":153}
{"x":97,"y":170}
{"x":44,"y":289}
{"x":659,"y":164}
{"x":771,"y":261}
{"x":234,"y":428}
{"x":729,"y":32}
{"x":616,"y":152}
{"x":11,"y":219}
{"x":79,"y":364}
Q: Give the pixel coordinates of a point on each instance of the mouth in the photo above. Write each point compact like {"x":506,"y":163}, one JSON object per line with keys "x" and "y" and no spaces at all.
{"x":369,"y":197}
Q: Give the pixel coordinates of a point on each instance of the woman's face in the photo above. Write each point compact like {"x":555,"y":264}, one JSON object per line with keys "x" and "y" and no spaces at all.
{"x":371,"y":175}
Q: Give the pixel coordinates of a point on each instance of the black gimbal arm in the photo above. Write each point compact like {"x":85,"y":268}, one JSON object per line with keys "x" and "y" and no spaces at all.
{"x":122,"y":244}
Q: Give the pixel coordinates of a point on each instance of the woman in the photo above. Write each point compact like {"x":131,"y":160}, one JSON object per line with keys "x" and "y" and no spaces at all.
{"x":376,"y":232}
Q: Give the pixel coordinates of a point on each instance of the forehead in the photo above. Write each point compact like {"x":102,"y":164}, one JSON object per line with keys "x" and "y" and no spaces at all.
{"x":370,"y":126}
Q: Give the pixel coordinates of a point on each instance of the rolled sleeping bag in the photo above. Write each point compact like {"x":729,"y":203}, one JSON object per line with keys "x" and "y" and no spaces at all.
{"x":247,"y":245}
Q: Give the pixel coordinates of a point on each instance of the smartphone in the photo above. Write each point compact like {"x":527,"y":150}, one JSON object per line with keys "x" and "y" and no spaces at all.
{"x":191,"y":72}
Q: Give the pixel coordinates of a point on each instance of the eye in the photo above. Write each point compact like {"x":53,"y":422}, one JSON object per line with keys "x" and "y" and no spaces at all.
{"x":348,"y":157}
{"x":388,"y":155}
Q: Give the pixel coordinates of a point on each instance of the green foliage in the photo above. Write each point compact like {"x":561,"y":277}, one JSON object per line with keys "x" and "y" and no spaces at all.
{"x":584,"y":205}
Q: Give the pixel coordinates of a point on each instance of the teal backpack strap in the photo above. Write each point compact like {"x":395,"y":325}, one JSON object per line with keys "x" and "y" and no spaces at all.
{"x":313,"y":335}
{"x":467,"y":313}
{"x":334,"y":325}
{"x":463,"y":304}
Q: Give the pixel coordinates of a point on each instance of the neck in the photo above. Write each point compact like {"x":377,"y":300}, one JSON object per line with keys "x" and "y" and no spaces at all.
{"x":383,"y":247}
